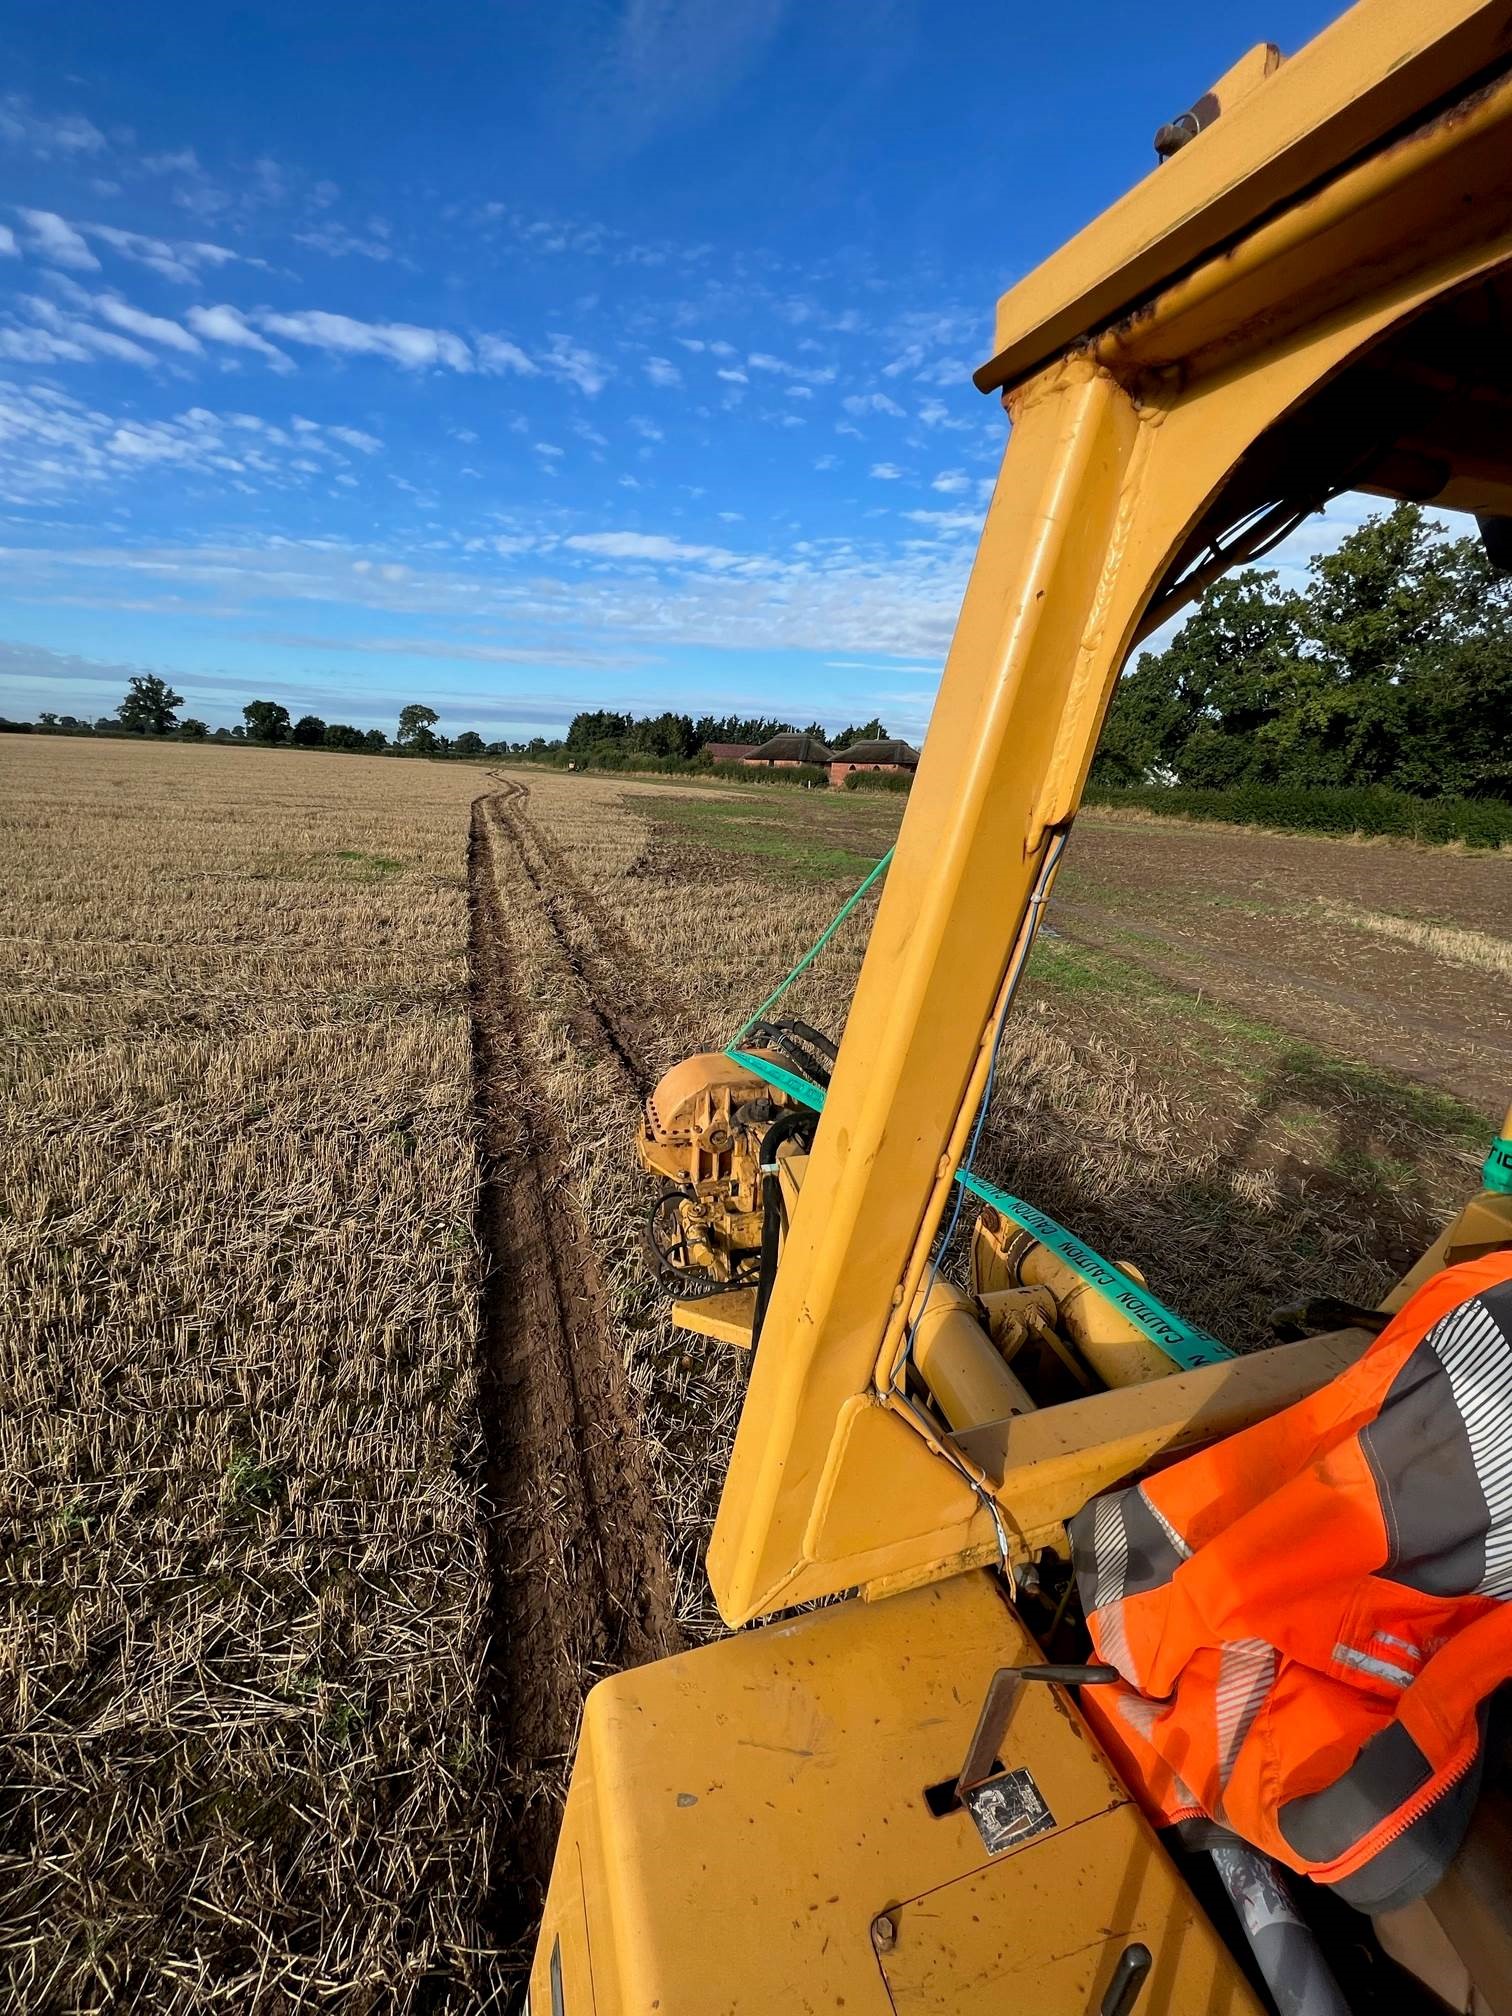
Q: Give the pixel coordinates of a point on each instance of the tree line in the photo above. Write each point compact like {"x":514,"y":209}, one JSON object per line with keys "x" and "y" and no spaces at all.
{"x":1392,"y":668}
{"x":602,"y":733}
{"x":150,"y":707}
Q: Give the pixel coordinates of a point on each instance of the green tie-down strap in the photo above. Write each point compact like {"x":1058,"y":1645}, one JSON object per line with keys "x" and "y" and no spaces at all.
{"x":1181,"y":1341}
{"x":1496,"y":1173}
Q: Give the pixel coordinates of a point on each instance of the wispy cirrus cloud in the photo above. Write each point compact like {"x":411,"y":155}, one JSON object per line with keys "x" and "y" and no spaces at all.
{"x":56,"y":240}
{"x":53,"y":443}
{"x":182,"y":261}
{"x":403,"y":343}
{"x":671,"y":62}
{"x":227,"y":325}
{"x":46,"y":135}
{"x":154,"y":328}
{"x":568,"y":359}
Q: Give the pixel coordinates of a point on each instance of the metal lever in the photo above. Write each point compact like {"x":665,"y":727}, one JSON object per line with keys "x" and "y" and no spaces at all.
{"x":992,"y":1723}
{"x":1134,"y":1964}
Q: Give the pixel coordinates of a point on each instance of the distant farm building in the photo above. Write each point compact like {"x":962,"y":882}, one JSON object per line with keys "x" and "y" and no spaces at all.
{"x":787,"y":752}
{"x":898,"y":758}
{"x":728,"y":752}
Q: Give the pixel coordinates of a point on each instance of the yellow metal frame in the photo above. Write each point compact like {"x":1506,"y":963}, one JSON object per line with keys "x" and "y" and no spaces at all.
{"x":745,"y":1820}
{"x":750,"y":1822}
{"x":1119,"y":446}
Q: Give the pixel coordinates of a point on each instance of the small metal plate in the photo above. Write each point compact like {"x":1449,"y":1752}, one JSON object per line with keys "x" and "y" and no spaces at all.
{"x":1008,"y":1810}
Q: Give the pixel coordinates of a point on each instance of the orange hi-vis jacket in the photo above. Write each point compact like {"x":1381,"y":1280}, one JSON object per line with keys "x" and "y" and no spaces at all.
{"x":1310,"y":1617}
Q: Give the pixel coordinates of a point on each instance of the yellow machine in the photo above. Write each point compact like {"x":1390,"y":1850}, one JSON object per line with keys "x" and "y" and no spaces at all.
{"x":1313,"y":292}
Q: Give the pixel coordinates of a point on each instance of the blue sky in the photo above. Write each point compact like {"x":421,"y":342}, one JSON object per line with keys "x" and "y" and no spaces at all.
{"x":521,"y":358}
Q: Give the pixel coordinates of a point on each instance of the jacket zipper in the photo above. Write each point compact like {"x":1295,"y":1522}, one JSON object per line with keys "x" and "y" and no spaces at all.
{"x":1406,"y":1816}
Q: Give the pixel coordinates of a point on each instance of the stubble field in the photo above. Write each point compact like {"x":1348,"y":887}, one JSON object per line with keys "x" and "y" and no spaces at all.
{"x":345,"y":1440}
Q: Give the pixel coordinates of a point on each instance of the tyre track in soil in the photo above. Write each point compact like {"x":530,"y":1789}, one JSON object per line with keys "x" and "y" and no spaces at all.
{"x":598,"y":950}
{"x":580,"y":1584}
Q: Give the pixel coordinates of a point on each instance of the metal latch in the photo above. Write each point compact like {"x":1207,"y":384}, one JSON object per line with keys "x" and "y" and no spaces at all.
{"x":1008,"y":1808}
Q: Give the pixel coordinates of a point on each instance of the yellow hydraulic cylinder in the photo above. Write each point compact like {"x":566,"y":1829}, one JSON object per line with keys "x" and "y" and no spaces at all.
{"x":959,"y":1363}
{"x":1118,"y":1352}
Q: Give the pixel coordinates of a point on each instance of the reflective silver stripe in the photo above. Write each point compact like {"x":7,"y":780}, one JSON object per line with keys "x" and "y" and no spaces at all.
{"x":1110,"y":1545}
{"x":1246,"y":1674}
{"x":1141,"y":1716}
{"x":1165,"y":1526}
{"x":1471,"y":1347}
{"x":1366,"y":1662}
{"x":1113,"y":1641}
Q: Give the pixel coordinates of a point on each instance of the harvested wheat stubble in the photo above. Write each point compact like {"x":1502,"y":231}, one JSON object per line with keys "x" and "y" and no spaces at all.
{"x":246,"y":1756}
{"x":300,"y":1619}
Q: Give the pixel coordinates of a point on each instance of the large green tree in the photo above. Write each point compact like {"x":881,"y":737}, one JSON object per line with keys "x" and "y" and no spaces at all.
{"x":1393,"y":666}
{"x":267,"y":721}
{"x":865,"y":731}
{"x":416,"y":725}
{"x":149,"y":706}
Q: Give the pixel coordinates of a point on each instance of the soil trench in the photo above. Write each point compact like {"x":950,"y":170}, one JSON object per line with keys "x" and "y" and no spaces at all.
{"x":580,"y":1580}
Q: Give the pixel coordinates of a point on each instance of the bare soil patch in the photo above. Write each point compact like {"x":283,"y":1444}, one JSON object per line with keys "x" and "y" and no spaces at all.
{"x":1262,"y":922}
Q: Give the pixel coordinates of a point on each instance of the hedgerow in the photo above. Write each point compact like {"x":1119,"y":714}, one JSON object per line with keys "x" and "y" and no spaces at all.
{"x":1371,"y":810}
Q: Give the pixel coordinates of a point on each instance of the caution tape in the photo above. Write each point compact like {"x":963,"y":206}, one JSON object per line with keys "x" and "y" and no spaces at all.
{"x":1496,"y":1171}
{"x":1181,"y":1341}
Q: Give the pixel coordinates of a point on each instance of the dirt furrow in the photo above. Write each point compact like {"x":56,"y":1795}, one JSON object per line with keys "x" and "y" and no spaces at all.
{"x":580,"y":1580}
{"x":594,"y":945}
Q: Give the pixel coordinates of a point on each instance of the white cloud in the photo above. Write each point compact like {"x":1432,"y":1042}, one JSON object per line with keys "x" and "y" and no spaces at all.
{"x":58,"y":241}
{"x":946,"y":521}
{"x":886,"y":472}
{"x":953,"y":371}
{"x":647,"y":546}
{"x":9,"y":249}
{"x":69,"y":337}
{"x":549,"y":449}
{"x":353,"y":437}
{"x":951,"y":482}
{"x":647,"y":429}
{"x":568,"y":360}
{"x":497,"y":353}
{"x":872,"y":402}
{"x":826,"y":461}
{"x":179,"y":262}
{"x":662,"y":371}
{"x":155,"y":328}
{"x":40,"y":346}
{"x":779,"y":367}
{"x":403,"y":343}
{"x":68,"y":135}
{"x":734,"y":377}
{"x":228,"y":325}
{"x":337,"y":242}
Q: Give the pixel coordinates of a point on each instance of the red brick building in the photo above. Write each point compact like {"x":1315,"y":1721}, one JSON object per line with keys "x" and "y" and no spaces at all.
{"x":898,"y":759}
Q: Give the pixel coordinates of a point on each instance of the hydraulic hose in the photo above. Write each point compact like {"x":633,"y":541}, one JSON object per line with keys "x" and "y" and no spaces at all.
{"x":1285,"y":1950}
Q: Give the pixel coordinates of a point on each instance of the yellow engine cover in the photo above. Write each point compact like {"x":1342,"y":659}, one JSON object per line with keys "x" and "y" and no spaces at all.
{"x":748,"y":1830}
